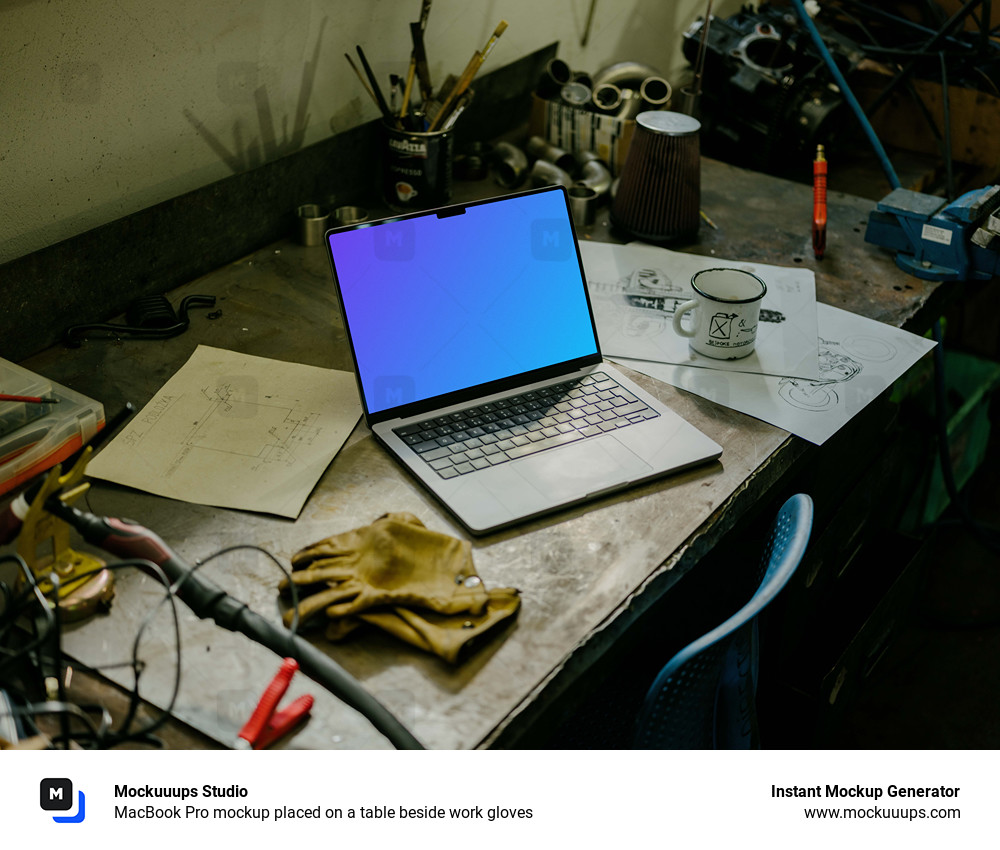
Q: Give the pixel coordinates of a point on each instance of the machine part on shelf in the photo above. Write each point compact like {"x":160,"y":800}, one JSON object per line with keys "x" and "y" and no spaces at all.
{"x":766,"y":98}
{"x":584,"y":78}
{"x":655,"y":92}
{"x":537,"y":147}
{"x":544,"y":173}
{"x":575,"y":94}
{"x":582,"y":204}
{"x":556,"y":74}
{"x":844,"y":87}
{"x":607,"y":97}
{"x":510,"y":164}
{"x":594,"y":173}
{"x":938,"y":240}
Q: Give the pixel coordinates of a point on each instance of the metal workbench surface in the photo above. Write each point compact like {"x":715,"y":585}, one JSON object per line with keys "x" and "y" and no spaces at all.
{"x":583,"y":574}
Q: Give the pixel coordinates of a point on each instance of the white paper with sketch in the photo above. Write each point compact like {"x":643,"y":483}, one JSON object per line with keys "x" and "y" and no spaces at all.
{"x":859,"y":358}
{"x":235,"y":431}
{"x":635,"y":290}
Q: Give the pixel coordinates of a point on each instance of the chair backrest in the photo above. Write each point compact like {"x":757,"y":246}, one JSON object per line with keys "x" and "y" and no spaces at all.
{"x":705,"y":696}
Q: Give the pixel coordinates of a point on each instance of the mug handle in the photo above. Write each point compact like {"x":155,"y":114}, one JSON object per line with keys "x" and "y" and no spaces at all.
{"x":679,"y":314}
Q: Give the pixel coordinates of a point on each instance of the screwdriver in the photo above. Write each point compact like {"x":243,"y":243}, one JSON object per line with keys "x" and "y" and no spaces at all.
{"x":819,"y":203}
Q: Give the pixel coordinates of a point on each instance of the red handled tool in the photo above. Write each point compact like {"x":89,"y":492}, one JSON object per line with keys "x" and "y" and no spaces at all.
{"x":266,"y":726}
{"x":819,"y":203}
{"x":30,"y":399}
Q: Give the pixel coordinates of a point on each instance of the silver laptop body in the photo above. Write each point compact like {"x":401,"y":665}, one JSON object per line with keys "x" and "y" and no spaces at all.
{"x":479,"y":367}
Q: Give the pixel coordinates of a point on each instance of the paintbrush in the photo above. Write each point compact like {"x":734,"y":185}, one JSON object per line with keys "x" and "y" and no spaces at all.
{"x":420,"y":58}
{"x":467,"y":76}
{"x":376,"y":91}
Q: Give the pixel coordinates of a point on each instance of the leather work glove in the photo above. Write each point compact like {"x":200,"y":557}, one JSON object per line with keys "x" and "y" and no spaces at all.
{"x":395,"y":561}
{"x":451,"y":637}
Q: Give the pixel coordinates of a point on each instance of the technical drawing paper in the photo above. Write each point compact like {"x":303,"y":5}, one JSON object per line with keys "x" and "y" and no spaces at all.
{"x":235,"y":431}
{"x":636,"y":289}
{"x":859,"y":359}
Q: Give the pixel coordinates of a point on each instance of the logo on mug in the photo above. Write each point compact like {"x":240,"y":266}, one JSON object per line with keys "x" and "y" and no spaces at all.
{"x":722,"y":326}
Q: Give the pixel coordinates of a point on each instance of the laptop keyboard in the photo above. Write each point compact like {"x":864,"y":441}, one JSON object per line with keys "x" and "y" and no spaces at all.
{"x":509,"y":428}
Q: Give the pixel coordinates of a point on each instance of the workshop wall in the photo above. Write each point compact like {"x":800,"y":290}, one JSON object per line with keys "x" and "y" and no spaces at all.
{"x":111,"y":106}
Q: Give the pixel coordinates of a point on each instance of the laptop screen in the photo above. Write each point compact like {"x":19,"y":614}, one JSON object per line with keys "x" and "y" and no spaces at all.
{"x":451,"y":299}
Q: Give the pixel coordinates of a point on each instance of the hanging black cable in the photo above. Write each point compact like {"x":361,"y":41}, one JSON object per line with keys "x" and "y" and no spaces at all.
{"x":931,"y":43}
{"x":946,"y":120}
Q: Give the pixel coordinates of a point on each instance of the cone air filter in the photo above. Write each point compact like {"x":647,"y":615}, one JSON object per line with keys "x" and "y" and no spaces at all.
{"x":659,"y":193}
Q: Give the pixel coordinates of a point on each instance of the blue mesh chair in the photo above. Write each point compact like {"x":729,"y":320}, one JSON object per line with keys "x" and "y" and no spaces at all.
{"x":705,"y":696}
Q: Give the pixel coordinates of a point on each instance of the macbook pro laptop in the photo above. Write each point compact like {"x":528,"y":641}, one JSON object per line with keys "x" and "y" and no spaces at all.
{"x":479,"y":367}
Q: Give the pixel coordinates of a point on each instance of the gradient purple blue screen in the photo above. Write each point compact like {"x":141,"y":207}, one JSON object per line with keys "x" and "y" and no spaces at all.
{"x":435,"y":305}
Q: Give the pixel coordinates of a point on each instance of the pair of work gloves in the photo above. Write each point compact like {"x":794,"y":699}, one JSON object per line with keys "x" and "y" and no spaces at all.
{"x":399,"y":576}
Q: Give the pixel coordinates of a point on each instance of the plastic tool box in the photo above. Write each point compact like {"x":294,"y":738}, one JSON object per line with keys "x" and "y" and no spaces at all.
{"x":35,"y":437}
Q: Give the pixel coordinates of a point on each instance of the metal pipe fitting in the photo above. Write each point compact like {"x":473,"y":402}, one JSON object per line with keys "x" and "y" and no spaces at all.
{"x":545,"y":173}
{"x":607,"y":97}
{"x":537,"y":147}
{"x":655,"y":92}
{"x":510,"y":164}
{"x":575,"y":94}
{"x":594,"y":174}
{"x":631,"y":105}
{"x":582,"y":204}
{"x":556,"y":74}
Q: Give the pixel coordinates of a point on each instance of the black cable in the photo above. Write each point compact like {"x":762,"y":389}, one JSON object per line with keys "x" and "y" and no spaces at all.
{"x":293,"y":588}
{"x":124,"y":733}
{"x":946,"y":120}
{"x":899,"y":23}
{"x":859,"y":24}
{"x":876,"y":49}
{"x":58,"y":658}
{"x":144,"y":733}
{"x":67,"y":711}
{"x":932,"y":43}
{"x":32,"y":589}
{"x":77,"y":333}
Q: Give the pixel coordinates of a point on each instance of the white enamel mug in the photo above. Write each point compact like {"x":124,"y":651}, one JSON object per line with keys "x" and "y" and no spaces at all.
{"x":724,"y":313}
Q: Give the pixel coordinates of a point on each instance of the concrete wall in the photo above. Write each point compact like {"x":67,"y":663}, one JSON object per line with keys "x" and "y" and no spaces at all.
{"x":110,"y":106}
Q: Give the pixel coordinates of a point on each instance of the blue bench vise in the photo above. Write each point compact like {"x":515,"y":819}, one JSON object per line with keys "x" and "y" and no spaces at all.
{"x":939,"y":240}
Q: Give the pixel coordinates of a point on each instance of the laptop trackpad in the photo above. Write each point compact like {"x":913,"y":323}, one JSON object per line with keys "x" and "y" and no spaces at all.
{"x":583,"y":468}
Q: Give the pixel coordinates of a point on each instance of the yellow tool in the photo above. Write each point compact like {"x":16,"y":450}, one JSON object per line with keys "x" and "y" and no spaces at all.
{"x":84,"y":587}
